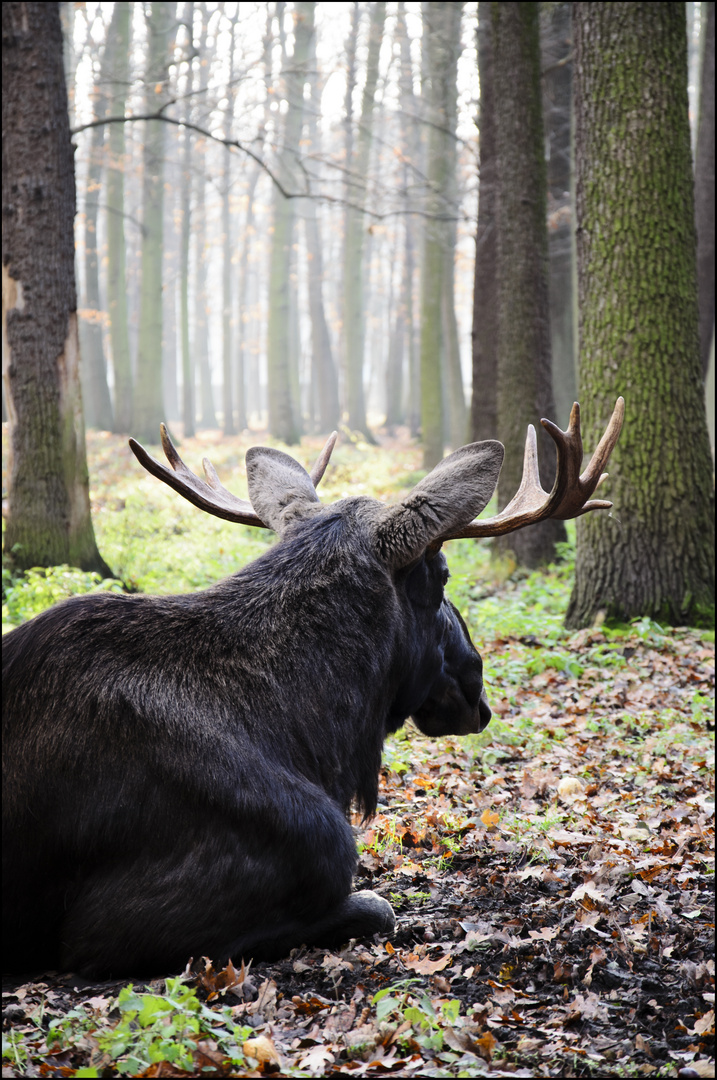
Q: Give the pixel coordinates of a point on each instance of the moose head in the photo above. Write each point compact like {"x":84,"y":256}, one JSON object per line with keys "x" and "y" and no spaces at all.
{"x":178,"y":769}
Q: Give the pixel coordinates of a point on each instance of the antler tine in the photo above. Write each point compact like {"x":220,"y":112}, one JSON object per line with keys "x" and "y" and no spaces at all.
{"x":210,"y":495}
{"x":605,"y":447}
{"x":570,"y":496}
{"x":574,"y":498}
{"x":322,"y":460}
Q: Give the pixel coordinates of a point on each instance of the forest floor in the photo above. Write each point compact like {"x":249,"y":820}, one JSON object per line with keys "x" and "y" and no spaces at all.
{"x":552,"y":877}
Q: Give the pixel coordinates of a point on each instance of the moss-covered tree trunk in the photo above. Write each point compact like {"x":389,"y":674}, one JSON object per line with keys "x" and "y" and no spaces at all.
{"x":705,"y":188}
{"x":148,"y":391}
{"x":638,"y":318}
{"x":118,"y":44}
{"x":525,"y":392}
{"x":48,"y":521}
{"x":484,"y":335}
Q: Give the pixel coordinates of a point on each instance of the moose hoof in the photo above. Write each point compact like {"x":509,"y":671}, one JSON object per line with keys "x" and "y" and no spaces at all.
{"x":366,"y":913}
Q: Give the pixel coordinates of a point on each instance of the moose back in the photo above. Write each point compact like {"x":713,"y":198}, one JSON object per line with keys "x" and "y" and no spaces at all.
{"x":178,"y":770}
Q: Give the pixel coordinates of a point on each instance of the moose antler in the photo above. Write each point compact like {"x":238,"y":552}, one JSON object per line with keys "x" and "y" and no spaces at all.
{"x":210,"y":494}
{"x":571,"y":492}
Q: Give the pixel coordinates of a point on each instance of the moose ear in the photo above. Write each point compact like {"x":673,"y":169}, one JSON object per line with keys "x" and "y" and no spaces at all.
{"x":452,"y":494}
{"x":279,"y":488}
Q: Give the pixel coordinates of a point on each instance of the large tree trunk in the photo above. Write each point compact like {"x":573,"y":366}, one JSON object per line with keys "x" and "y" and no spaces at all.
{"x":48,"y":520}
{"x":525,"y":392}
{"x":556,"y":52}
{"x":484,"y":401}
{"x":705,"y":188}
{"x":638,"y":319}
{"x":357,"y":165}
{"x":118,"y":45}
{"x":149,"y":410}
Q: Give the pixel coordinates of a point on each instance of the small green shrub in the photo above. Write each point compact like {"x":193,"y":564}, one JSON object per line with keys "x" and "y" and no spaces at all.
{"x":27,"y":594}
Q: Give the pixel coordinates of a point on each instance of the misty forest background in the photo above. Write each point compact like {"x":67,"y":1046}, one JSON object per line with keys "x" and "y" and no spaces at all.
{"x":419,"y":224}
{"x":293,"y":314}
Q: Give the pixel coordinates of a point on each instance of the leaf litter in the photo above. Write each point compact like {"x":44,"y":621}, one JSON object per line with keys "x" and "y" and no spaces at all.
{"x":552,"y":879}
{"x":553,"y":889}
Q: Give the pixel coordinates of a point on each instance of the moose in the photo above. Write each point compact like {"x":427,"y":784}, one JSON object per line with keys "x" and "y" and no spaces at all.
{"x":178,"y":770}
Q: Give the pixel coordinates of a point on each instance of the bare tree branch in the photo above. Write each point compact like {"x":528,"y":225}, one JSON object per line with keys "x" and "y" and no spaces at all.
{"x":237,"y":145}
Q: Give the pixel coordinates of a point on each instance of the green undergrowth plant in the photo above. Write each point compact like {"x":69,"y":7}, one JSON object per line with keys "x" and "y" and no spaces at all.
{"x":401,"y":1004}
{"x":27,"y":594}
{"x":137,"y":1033}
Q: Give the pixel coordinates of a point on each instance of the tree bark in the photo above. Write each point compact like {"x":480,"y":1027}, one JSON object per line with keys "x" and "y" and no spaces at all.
{"x":48,"y":520}
{"x":525,"y":392}
{"x":705,"y":188}
{"x":484,"y":400}
{"x":638,"y":326}
{"x":118,"y":43}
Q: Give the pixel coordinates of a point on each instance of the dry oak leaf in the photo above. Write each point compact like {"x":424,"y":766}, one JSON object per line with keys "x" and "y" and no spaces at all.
{"x":705,"y":1025}
{"x":261,"y":1049}
{"x":489,"y":819}
{"x":317,"y":1058}
{"x":590,"y":891}
{"x":485,"y":1045}
{"x":425,"y":966}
